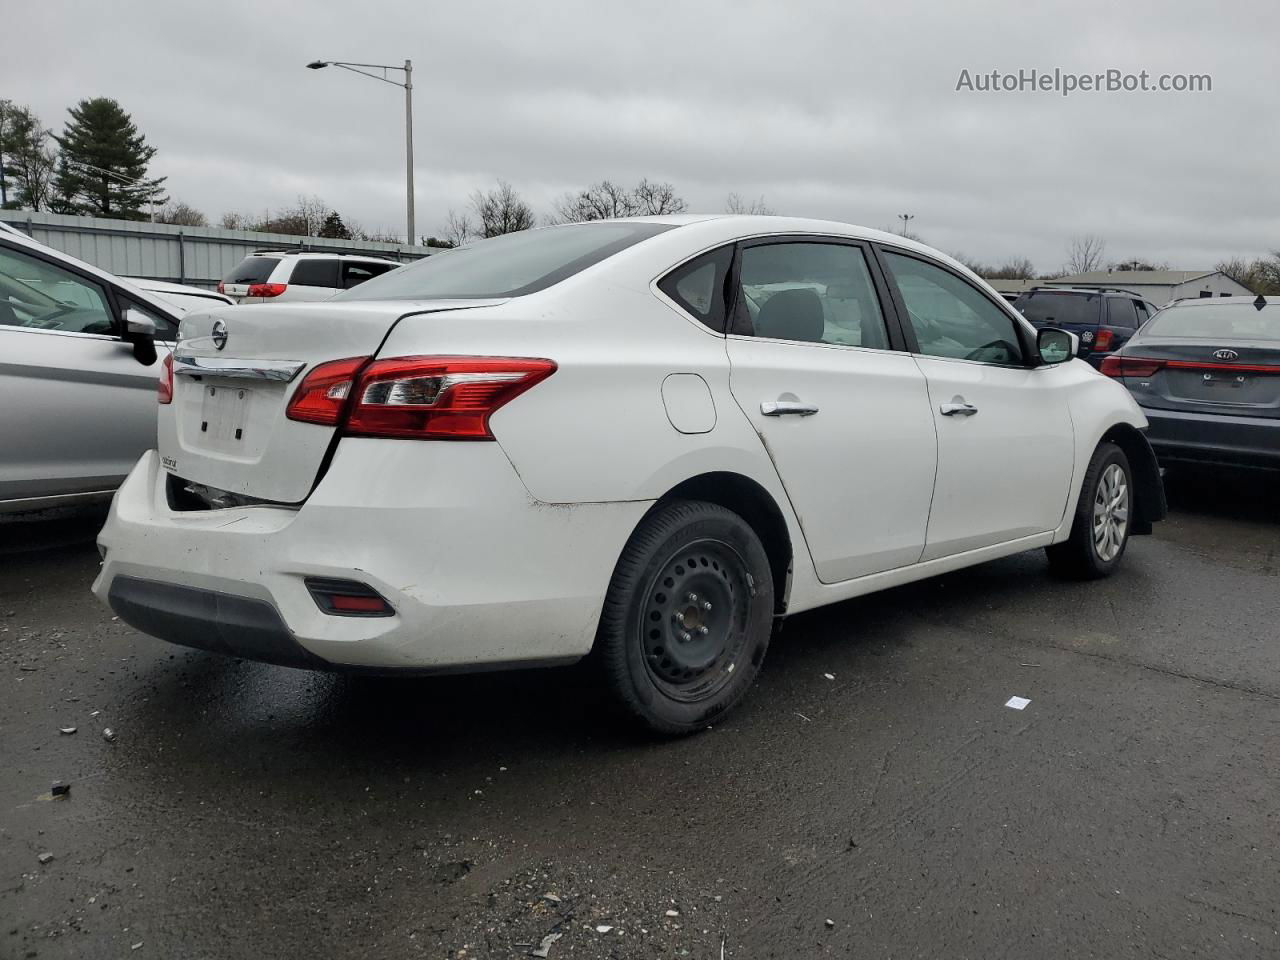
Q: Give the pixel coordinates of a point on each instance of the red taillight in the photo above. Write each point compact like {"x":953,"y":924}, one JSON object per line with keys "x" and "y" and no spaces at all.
{"x":266,"y":289}
{"x":220,"y":290}
{"x":439,"y":398}
{"x":348,"y":598}
{"x":322,"y":395}
{"x":164,"y":385}
{"x":1103,"y":340}
{"x":1131,"y":366}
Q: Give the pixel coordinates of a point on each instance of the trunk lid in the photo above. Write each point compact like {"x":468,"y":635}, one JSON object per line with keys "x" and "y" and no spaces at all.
{"x":235,"y":371}
{"x":1207,"y":377}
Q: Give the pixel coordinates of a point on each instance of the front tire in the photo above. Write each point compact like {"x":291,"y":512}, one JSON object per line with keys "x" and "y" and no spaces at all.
{"x":1103,"y":519}
{"x":687,"y":618}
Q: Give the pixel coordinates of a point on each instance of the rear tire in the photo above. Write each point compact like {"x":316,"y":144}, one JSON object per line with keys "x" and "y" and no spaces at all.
{"x":687,"y":618}
{"x":1103,"y":519}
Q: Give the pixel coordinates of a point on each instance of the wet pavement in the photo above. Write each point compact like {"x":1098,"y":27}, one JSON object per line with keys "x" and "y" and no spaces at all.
{"x":895,"y":809}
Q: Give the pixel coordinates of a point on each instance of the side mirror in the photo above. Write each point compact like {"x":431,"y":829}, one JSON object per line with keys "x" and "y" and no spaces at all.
{"x":138,"y":325}
{"x":140,"y":330}
{"x":1056,"y":346}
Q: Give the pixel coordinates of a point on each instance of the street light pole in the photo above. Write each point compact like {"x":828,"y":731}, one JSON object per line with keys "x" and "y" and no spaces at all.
{"x":408,"y":146}
{"x":407,"y":70}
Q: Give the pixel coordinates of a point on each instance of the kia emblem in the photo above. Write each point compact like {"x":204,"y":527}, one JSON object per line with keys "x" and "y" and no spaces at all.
{"x":220,"y":334}
{"x":1225,"y":355}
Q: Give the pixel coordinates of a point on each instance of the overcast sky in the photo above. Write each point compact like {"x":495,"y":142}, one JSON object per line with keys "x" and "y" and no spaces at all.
{"x":840,"y":110}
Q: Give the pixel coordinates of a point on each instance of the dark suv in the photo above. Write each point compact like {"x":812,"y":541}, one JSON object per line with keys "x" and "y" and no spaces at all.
{"x":1103,"y":319}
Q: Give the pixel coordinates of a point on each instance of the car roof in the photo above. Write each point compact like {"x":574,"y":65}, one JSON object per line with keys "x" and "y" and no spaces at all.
{"x":312,"y":254}
{"x":1251,"y":300}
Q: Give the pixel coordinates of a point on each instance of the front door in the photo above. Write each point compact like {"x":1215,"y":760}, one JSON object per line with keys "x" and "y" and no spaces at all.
{"x":1005,"y":440}
{"x":79,"y":408}
{"x":844,"y":417}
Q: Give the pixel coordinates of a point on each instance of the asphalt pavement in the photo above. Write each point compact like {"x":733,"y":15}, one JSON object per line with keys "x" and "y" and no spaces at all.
{"x":873,"y":797}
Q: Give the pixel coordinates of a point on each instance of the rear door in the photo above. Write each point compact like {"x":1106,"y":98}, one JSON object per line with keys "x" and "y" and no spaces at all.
{"x":1005,"y":440}
{"x":844,"y":416}
{"x":79,"y":408}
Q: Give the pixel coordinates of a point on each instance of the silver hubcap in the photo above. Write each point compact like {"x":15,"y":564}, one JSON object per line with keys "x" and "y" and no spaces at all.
{"x":1110,"y":513}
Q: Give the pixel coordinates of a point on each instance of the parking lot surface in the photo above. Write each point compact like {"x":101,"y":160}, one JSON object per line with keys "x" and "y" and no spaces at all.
{"x":873,"y":797}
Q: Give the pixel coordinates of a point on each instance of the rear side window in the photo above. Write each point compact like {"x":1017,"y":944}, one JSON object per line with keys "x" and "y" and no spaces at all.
{"x":698,"y":286}
{"x":354,"y":274}
{"x":511,"y":265}
{"x":1051,"y":309}
{"x":809,"y":292}
{"x":1120,"y":313}
{"x":309,"y":272}
{"x":252,"y":270}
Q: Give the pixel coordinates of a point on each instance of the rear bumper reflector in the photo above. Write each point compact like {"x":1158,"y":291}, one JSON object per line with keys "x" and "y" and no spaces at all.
{"x":348,"y":598}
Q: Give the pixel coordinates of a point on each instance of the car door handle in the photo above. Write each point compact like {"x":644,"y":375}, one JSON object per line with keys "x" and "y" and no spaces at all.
{"x":958,"y":409}
{"x":787,"y":408}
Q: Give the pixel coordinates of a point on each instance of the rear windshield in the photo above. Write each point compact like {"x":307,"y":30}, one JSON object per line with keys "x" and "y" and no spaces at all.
{"x":252,"y":270}
{"x":1048,"y":309}
{"x":1217,"y":321}
{"x":507,"y":266}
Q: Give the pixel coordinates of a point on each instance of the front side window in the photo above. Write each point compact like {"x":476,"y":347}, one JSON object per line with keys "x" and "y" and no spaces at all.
{"x":511,"y":265}
{"x":698,"y":286}
{"x":40,"y":295}
{"x":314,"y":272}
{"x":809,"y":292}
{"x":950,"y":318}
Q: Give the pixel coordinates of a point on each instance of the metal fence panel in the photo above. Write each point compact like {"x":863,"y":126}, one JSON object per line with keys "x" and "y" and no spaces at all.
{"x":200,"y":256}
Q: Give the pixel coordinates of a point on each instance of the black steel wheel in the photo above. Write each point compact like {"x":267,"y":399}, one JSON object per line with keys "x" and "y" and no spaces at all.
{"x":687,"y":618}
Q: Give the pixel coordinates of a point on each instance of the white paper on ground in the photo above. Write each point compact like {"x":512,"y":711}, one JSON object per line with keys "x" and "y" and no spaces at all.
{"x":1017,"y":703}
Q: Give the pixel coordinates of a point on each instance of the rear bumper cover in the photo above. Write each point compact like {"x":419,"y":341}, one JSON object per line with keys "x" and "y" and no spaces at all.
{"x":479,"y":574}
{"x":1214,"y":438}
{"x":208,"y":620}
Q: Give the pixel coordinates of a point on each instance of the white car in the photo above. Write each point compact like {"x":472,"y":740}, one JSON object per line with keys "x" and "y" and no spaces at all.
{"x":276,"y":275}
{"x":642,"y":439}
{"x":183,"y":296}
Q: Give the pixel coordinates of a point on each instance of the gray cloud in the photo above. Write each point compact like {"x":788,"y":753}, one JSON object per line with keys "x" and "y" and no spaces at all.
{"x":838,"y":110}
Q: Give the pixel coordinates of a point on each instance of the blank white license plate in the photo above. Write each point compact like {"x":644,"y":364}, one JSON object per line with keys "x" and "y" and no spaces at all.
{"x":224,"y":415}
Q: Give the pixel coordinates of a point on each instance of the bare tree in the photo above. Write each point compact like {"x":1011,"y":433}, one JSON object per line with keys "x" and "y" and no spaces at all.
{"x":501,"y":210}
{"x":657,"y":199}
{"x":236,"y":221}
{"x":1260,"y":276}
{"x":1084,"y":253}
{"x":735,"y":203}
{"x":27,"y":155}
{"x":1137,"y":263}
{"x":458,"y":228}
{"x":182,"y":214}
{"x":605,"y":200}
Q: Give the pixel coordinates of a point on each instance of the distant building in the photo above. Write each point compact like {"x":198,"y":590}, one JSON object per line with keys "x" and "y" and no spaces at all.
{"x":1012,"y":289}
{"x":1156,"y":286}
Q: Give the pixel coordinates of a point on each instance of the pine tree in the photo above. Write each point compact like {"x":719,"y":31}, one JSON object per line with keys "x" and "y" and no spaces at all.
{"x":334,"y":227}
{"x":103,"y":167}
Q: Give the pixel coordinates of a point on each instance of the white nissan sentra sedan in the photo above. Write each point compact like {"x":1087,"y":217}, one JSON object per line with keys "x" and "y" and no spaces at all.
{"x":645,"y":440}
